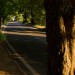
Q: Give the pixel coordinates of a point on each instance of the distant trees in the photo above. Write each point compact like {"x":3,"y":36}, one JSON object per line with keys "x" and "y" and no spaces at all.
{"x":32,"y":10}
{"x":60,"y":31}
{"x":6,"y":8}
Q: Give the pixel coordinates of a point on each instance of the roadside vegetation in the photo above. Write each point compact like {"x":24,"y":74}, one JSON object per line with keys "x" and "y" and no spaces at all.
{"x":2,"y":37}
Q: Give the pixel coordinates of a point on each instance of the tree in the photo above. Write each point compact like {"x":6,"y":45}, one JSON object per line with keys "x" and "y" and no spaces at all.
{"x":6,"y":8}
{"x":36,"y":7}
{"x":31,"y":9}
{"x":60,"y":36}
{"x":1,"y":10}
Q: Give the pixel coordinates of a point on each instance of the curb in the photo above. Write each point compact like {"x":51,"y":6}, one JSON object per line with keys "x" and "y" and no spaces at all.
{"x":16,"y":56}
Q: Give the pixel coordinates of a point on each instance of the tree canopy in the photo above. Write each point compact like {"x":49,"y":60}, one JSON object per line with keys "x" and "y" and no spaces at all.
{"x":30,"y":9}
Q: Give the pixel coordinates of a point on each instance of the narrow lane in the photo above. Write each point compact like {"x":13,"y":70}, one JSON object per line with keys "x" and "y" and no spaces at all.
{"x":30,"y":43}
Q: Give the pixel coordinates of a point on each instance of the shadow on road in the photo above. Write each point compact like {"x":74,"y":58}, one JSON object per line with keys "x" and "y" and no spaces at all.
{"x":31,"y":44}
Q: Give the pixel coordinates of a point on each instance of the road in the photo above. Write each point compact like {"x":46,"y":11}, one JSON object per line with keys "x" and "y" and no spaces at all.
{"x":30,"y":43}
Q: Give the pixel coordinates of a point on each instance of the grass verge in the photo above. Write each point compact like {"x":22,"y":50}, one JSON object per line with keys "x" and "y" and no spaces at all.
{"x":2,"y":36}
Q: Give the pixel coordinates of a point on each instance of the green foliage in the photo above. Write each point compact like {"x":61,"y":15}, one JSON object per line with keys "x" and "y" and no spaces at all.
{"x":23,"y":7}
{"x":2,"y":36}
{"x":34,"y":6}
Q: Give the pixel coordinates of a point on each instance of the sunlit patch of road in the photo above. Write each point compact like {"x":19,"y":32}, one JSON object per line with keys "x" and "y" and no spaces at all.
{"x":14,"y":23}
{"x":32,"y":34}
{"x":25,"y":30}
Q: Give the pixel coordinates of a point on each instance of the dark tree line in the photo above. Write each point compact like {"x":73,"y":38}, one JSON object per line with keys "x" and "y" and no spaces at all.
{"x":60,"y":36}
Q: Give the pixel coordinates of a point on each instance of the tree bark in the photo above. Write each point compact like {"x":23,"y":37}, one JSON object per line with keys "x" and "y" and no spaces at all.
{"x":0,"y":22}
{"x":60,"y":38}
{"x":69,"y":52}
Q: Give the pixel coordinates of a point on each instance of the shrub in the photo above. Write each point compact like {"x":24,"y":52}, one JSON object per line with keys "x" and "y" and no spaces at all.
{"x":2,"y":36}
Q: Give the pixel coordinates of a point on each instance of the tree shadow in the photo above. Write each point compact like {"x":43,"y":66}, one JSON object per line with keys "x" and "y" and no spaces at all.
{"x":31,"y":44}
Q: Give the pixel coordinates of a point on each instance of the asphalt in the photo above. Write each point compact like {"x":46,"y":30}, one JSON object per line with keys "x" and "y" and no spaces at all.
{"x":30,"y":43}
{"x":7,"y":64}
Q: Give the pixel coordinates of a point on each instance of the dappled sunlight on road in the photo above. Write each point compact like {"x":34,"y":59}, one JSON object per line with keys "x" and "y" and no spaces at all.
{"x":32,"y":34}
{"x":30,"y":43}
{"x":16,"y":22}
{"x":19,"y":26}
{"x":23,"y":30}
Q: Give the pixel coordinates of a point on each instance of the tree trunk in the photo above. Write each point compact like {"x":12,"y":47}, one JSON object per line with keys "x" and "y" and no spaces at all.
{"x":32,"y":18}
{"x":60,"y":38}
{"x":3,"y":19}
{"x":25,"y":18}
{"x":0,"y":22}
{"x":69,"y":65}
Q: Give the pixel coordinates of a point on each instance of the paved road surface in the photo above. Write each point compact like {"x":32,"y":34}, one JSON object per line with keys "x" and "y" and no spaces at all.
{"x":30,"y":43}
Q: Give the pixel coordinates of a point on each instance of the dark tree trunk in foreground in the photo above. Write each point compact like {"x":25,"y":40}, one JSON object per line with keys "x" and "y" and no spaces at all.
{"x":60,"y":38}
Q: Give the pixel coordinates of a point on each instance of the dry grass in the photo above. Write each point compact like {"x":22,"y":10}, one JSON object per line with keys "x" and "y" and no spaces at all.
{"x":7,"y":65}
{"x":39,"y":26}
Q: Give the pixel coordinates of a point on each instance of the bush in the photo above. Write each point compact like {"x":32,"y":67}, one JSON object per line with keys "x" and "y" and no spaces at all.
{"x":2,"y":36}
